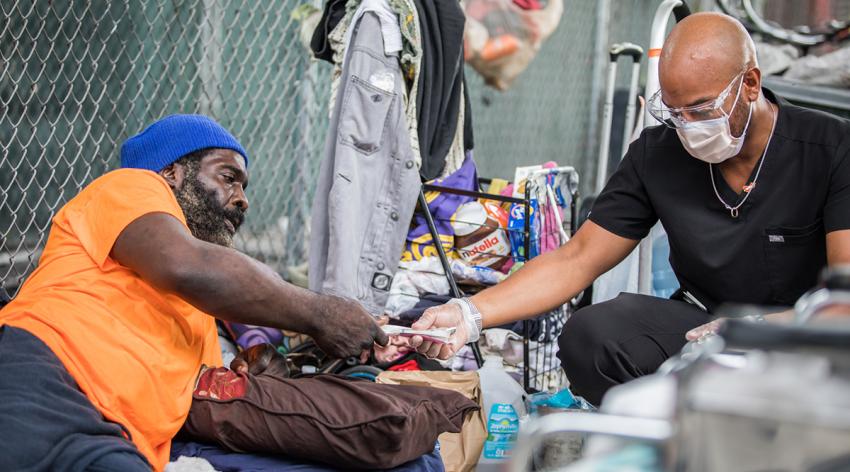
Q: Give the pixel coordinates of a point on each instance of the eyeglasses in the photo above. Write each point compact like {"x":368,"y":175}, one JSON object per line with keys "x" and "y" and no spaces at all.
{"x":682,"y":116}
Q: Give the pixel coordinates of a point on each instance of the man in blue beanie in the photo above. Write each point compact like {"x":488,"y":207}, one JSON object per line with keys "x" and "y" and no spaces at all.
{"x":100,"y":350}
{"x":191,"y":138}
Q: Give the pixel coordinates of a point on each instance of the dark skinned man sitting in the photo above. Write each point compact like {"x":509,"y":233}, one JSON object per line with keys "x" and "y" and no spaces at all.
{"x":100,"y":350}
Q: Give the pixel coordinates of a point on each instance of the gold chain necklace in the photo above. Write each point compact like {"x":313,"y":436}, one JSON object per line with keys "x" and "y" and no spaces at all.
{"x":733,"y":210}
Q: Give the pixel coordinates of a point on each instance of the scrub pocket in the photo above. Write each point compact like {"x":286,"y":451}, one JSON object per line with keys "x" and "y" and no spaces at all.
{"x":794,"y":257}
{"x":363,"y":117}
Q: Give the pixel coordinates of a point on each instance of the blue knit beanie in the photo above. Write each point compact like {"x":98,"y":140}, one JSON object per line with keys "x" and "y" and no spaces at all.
{"x":171,"y":138}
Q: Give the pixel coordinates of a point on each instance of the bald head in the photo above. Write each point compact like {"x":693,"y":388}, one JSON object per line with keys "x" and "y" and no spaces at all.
{"x":702,"y":54}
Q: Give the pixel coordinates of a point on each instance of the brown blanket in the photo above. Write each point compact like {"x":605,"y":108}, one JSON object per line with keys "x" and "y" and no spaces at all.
{"x":339,"y":421}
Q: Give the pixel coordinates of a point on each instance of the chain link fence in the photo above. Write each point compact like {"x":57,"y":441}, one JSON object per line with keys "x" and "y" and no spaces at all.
{"x":544,"y":115}
{"x":79,"y":77}
{"x":552,"y":113}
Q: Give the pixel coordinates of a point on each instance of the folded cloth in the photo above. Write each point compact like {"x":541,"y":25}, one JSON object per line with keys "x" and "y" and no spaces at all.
{"x":332,"y":14}
{"x":441,"y":83}
{"x":227,"y":461}
{"x":335,"y":420}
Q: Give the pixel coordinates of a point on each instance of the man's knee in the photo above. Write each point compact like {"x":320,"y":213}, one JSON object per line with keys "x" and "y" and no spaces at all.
{"x":129,"y":461}
{"x":581,"y":344}
{"x":591,"y":347}
{"x":581,"y":335}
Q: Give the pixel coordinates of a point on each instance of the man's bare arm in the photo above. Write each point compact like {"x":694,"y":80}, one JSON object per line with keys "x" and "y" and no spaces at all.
{"x":234,"y":287}
{"x":550,"y":280}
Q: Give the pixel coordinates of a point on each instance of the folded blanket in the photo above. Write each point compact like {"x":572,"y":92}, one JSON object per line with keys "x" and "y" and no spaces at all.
{"x":340,"y":421}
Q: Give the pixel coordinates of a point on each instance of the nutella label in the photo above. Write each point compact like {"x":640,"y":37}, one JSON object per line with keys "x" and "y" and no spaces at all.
{"x":488,"y":250}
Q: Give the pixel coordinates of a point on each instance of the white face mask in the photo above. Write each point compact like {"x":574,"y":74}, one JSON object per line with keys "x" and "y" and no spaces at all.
{"x":711,"y":140}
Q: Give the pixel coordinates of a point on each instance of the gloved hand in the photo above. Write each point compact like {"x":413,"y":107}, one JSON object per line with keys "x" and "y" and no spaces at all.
{"x":450,"y":315}
{"x":704,"y":330}
{"x":345,"y":329}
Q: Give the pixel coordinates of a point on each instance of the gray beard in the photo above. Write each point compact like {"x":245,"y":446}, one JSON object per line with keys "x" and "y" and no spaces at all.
{"x":204,"y":216}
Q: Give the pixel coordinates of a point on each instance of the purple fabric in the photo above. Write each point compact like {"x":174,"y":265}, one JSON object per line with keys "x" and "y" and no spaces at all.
{"x":227,"y":461}
{"x":250,"y":335}
{"x":443,"y":206}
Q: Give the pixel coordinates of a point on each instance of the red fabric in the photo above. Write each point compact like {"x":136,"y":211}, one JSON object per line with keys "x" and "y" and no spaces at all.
{"x":528,"y":4}
{"x":221,"y":384}
{"x":405,"y":366}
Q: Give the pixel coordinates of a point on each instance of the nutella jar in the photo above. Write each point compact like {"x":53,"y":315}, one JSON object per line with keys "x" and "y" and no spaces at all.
{"x":480,"y":236}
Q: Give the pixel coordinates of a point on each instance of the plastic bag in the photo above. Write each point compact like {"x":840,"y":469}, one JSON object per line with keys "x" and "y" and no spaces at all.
{"x":503,"y":36}
{"x":564,"y":448}
{"x":831,"y":69}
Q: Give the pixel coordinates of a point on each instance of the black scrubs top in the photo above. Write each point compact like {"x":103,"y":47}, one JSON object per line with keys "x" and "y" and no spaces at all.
{"x":774,"y":250}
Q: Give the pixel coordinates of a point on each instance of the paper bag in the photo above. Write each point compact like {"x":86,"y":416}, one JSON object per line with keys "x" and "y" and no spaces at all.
{"x":460,"y":451}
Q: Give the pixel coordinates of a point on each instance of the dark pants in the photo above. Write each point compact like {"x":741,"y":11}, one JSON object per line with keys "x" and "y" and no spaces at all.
{"x":610,"y":343}
{"x":46,"y":422}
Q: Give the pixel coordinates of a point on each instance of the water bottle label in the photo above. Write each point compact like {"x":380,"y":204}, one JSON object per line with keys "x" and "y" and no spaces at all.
{"x":502,"y":429}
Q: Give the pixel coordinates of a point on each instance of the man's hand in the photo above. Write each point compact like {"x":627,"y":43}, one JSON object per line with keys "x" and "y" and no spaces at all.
{"x":398,"y":347}
{"x":258,"y":359}
{"x":704,"y":330}
{"x":345,"y":329}
{"x":444,"y":316}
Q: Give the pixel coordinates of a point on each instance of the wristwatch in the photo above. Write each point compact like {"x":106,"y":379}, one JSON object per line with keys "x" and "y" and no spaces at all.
{"x":471,"y":316}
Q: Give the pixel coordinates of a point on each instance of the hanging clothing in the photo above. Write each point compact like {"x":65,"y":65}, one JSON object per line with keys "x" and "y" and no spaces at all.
{"x":332,"y":14}
{"x":445,"y":121}
{"x":368,"y":181}
{"x":446,"y":97}
{"x":329,"y":38}
{"x":390,"y":31}
{"x":410,"y":58}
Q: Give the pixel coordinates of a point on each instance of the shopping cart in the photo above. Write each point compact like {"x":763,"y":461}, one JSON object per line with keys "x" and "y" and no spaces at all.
{"x":757,"y":396}
{"x":546,"y":210}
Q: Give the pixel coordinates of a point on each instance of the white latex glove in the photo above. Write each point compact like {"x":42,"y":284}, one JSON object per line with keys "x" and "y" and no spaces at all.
{"x":449,"y":315}
{"x":704,"y":330}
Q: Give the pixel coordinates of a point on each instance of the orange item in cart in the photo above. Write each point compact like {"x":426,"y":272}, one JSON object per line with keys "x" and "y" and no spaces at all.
{"x":480,"y":236}
{"x":500,"y":46}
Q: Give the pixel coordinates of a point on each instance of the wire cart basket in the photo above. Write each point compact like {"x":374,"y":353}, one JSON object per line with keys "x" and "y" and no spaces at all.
{"x":546,"y":213}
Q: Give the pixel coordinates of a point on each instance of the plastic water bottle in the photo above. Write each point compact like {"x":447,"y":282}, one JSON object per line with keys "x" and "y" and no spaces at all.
{"x":504,"y":405}
{"x":664,"y":281}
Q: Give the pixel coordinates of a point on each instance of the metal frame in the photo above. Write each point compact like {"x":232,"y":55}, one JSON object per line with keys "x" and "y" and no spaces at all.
{"x":679,"y":10}
{"x":636,"y":53}
{"x":532,"y":436}
{"x":444,"y":260}
{"x":456,"y":292}
{"x":837,"y":30}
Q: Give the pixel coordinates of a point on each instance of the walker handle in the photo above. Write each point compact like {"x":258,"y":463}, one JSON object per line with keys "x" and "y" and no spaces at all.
{"x":625,"y":49}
